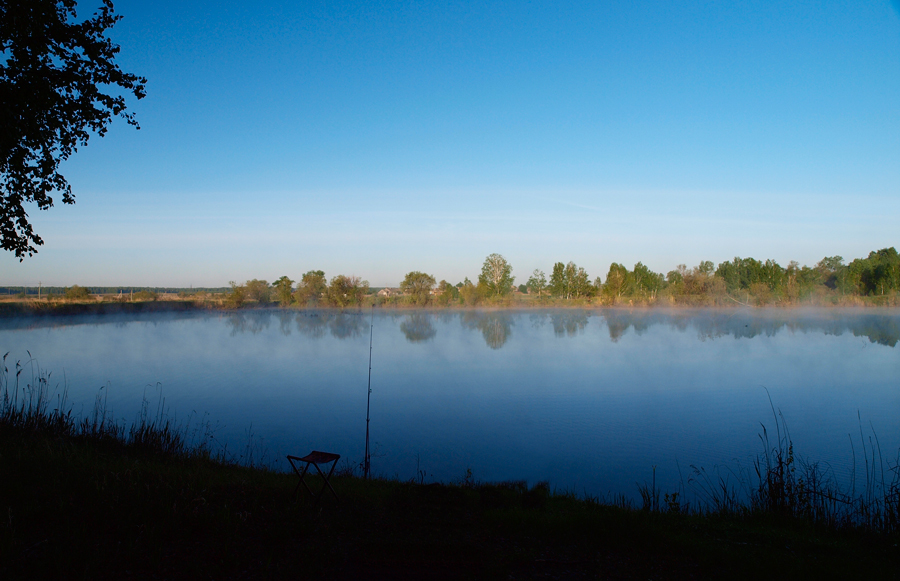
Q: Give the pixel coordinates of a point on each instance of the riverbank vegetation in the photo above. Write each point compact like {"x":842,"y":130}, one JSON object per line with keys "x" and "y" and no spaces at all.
{"x":870,"y":281}
{"x":93,"y":497}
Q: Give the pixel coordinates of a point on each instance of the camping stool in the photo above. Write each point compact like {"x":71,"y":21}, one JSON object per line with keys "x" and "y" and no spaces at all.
{"x":315,"y":458}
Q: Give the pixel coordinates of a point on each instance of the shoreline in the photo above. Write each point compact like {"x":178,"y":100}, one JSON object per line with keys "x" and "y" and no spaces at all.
{"x":119,"y":507}
{"x":43,"y":308}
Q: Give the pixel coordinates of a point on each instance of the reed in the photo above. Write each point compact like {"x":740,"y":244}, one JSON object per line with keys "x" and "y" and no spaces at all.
{"x":783,"y":486}
{"x":30,"y":402}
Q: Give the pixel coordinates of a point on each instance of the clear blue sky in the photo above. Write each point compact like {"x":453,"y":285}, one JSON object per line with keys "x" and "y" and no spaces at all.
{"x":375,"y":138}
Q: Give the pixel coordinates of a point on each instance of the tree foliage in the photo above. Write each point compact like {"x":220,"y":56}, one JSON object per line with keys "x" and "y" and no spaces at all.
{"x":448,"y":293}
{"x":311,"y":287}
{"x":258,"y":290}
{"x":418,"y":286}
{"x":616,"y":282}
{"x":284,"y":291}
{"x":77,"y":293}
{"x":570,"y":281}
{"x":237,"y":296}
{"x":496,"y":275}
{"x":59,"y":84}
{"x":537,"y":283}
{"x":346,"y":290}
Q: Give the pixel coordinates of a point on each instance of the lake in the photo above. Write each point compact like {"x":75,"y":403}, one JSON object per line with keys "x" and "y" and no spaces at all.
{"x":589,"y":400}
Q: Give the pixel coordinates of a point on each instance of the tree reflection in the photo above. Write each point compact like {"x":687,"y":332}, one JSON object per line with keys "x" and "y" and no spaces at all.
{"x":248,"y":322}
{"x":418,"y":328}
{"x":568,"y":323}
{"x":495,"y":326}
{"x":746,"y":324}
{"x":312,"y":324}
{"x":538,"y":320}
{"x":878,"y":327}
{"x":285,"y":318}
{"x":341,"y":324}
{"x":344,"y":325}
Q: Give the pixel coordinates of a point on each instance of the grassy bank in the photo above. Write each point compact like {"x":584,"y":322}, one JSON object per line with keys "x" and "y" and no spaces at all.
{"x":34,"y":308}
{"x":88,"y":498}
{"x":80,"y":509}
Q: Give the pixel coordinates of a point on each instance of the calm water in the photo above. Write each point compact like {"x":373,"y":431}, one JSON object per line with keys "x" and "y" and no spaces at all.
{"x":589,"y":400}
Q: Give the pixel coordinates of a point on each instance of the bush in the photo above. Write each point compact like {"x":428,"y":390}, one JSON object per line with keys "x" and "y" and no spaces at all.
{"x":146,"y":295}
{"x":77,"y":293}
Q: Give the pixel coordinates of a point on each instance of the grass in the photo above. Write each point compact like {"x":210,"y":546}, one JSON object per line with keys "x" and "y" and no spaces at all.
{"x":89,"y":498}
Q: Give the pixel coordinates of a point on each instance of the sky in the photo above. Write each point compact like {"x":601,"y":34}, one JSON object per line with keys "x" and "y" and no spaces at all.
{"x":376,"y":138}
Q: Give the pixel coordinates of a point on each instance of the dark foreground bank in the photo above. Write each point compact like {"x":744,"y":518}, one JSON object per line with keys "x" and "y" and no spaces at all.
{"x":93,"y":498}
{"x":125,"y":508}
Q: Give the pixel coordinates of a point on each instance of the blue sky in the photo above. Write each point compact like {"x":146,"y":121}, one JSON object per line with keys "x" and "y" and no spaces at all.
{"x":375,"y":138}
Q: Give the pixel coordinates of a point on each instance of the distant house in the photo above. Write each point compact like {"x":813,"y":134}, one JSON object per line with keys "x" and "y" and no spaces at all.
{"x":389,"y":292}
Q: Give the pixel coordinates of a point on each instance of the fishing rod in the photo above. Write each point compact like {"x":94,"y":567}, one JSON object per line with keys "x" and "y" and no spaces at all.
{"x":369,"y":394}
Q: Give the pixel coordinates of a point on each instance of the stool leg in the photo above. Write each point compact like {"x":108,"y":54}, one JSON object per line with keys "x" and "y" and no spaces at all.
{"x":303,"y":482}
{"x":325,"y":478}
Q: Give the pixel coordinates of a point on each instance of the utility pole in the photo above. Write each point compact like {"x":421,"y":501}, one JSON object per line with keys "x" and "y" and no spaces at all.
{"x":39,"y":290}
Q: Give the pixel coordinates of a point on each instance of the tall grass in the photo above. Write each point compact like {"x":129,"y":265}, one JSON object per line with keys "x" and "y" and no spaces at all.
{"x":30,"y":402}
{"x":782,"y":485}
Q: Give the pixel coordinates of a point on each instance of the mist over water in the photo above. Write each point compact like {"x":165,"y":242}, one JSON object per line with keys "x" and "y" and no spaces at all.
{"x":589,"y":400}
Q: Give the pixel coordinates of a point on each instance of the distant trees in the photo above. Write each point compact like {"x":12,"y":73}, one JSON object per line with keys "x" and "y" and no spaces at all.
{"x":537,"y":283}
{"x":77,"y":293}
{"x":645,"y":282}
{"x":346,"y":290}
{"x":469,"y":293}
{"x":258,"y":290}
{"x":311,"y":287}
{"x":745,"y":281}
{"x":237,"y":296}
{"x":417,"y":285}
{"x":496,"y":275}
{"x":879,"y":273}
{"x":448,"y":293}
{"x":284,"y":291}
{"x":835,"y":275}
{"x":616,"y":282}
{"x":146,"y":295}
{"x":570,"y":281}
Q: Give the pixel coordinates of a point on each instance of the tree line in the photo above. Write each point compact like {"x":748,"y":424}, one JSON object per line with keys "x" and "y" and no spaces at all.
{"x":874,"y":279}
{"x":745,"y":281}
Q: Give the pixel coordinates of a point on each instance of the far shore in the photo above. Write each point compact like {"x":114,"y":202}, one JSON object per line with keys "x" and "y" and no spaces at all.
{"x":106,"y":305}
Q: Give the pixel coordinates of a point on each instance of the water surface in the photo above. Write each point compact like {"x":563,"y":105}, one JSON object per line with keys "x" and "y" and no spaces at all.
{"x":589,"y":400}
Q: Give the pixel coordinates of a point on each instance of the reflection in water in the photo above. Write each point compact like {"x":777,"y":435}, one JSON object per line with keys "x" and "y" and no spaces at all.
{"x":341,"y":324}
{"x":495,"y":326}
{"x":344,"y":325}
{"x":538,"y":320}
{"x":312,"y":324}
{"x":254,"y":323}
{"x":285,"y":318}
{"x":617,"y":328}
{"x":418,"y":328}
{"x":880,"y":326}
{"x":569,"y":323}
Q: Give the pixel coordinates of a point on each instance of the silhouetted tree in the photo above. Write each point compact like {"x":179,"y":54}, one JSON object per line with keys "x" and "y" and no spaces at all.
{"x":51,"y":101}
